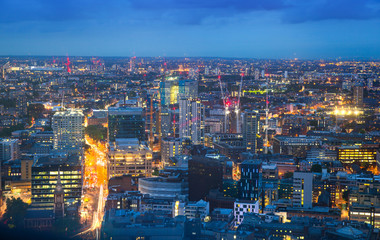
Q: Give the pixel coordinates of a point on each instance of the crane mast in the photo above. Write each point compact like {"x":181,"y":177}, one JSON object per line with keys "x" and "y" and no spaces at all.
{"x":224,"y":104}
{"x":266,"y":120}
{"x":237,"y":106}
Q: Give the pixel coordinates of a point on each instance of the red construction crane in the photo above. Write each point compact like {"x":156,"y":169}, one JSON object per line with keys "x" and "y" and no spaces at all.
{"x":68,"y":65}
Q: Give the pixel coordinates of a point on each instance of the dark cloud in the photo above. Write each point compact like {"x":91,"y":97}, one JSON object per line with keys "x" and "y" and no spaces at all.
{"x":194,"y":12}
{"x":58,"y":10}
{"x":318,"y":10}
{"x":183,"y":12}
{"x":292,"y":11}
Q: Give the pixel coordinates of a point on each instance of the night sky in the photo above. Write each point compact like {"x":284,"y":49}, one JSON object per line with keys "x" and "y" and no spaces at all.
{"x":305,"y":29}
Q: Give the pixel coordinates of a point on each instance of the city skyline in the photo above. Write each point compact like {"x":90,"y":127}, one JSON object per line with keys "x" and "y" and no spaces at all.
{"x":271,"y":29}
{"x":190,"y":119}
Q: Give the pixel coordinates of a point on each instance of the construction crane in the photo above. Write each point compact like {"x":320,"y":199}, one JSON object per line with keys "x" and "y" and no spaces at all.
{"x":68,"y":65}
{"x":226,"y":104}
{"x":266,"y":118}
{"x":237,"y":106}
{"x":150,"y":113}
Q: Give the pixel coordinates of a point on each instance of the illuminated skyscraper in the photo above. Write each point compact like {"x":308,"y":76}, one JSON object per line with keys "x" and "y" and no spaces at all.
{"x":191,"y":120}
{"x":173,"y":88}
{"x":358,"y":96}
{"x":68,"y":128}
{"x":188,"y":89}
{"x":250,"y":130}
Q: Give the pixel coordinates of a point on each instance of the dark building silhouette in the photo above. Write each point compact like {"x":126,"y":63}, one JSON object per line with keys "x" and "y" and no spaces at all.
{"x":204,"y":174}
{"x":126,"y":122}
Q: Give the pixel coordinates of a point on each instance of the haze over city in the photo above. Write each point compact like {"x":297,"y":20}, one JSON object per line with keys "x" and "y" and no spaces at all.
{"x":312,"y":29}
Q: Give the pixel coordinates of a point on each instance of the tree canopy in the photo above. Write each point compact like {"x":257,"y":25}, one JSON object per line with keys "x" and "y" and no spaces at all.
{"x":288,"y":175}
{"x":96,"y":132}
{"x":15,"y":212}
{"x":316,"y":168}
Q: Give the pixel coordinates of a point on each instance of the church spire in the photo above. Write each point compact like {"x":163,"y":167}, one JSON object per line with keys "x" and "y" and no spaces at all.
{"x":58,"y":186}
{"x":58,"y":197}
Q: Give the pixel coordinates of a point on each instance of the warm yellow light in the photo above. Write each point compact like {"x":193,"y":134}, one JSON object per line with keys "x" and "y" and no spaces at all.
{"x":356,"y":112}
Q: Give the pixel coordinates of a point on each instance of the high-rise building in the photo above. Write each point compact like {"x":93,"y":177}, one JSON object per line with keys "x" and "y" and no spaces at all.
{"x":168,"y":91}
{"x":257,"y":74}
{"x":188,"y":88}
{"x":204,"y":170}
{"x":170,"y":147}
{"x":250,"y":130}
{"x":207,"y":71}
{"x":129,"y":156}
{"x":250,"y":184}
{"x":45,"y":175}
{"x":126,"y":122}
{"x":173,"y":89}
{"x":191,"y":120}
{"x":22,"y":105}
{"x":358,"y":96}
{"x":68,"y":128}
{"x":303,"y":189}
{"x":9,"y":149}
{"x":169,"y":122}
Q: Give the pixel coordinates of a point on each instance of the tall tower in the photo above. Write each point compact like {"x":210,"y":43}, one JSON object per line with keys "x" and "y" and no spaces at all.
{"x":358,"y":96}
{"x":250,"y":183}
{"x":191,"y":120}
{"x":250,"y":130}
{"x":68,"y":128}
{"x":59,"y":207}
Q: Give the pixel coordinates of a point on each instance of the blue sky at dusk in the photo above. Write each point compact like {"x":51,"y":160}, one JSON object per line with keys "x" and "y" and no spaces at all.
{"x":224,"y":28}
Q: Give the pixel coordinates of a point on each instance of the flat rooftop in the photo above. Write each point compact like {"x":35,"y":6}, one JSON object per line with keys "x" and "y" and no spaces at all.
{"x":52,"y":160}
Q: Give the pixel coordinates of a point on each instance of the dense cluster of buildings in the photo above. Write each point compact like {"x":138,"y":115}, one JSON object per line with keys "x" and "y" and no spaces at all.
{"x":194,"y":148}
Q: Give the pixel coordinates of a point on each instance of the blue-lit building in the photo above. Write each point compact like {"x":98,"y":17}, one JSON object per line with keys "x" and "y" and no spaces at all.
{"x":126,"y":122}
{"x":174,"y":88}
{"x":250,"y":184}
